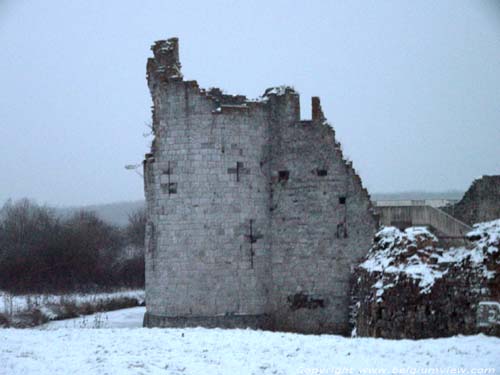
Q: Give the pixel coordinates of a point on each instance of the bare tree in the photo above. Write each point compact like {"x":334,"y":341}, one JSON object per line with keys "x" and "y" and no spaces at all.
{"x":136,"y":228}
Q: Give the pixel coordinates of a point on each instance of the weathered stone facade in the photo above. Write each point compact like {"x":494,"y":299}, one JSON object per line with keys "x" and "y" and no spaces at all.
{"x":480,"y":203}
{"x":255,"y":218}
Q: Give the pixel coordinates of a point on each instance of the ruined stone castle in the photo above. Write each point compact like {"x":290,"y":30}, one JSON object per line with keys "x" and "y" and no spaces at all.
{"x":255,"y":217}
{"x":481,"y":202}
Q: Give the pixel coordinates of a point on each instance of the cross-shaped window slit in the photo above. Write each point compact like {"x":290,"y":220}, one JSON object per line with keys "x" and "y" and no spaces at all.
{"x":239,"y":170}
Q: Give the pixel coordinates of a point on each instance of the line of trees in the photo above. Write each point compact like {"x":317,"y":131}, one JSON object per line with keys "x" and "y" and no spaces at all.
{"x":43,"y":252}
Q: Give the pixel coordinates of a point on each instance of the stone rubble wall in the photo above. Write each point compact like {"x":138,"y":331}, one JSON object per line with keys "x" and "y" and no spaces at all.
{"x":480,"y":203}
{"x":398,"y":305}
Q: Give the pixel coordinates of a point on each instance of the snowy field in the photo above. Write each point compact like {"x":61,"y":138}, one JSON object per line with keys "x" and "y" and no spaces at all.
{"x":125,"y":318}
{"x":11,"y":304}
{"x":122,"y":347}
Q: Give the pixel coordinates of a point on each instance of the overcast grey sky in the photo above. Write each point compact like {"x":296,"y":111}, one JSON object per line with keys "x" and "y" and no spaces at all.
{"x":411,"y":87}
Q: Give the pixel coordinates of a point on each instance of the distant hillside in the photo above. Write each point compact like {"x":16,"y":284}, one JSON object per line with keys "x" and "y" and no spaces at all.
{"x":418,"y":195}
{"x":115,"y":213}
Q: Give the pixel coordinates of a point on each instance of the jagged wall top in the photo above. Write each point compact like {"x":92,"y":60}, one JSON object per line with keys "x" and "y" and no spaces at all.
{"x":166,"y":61}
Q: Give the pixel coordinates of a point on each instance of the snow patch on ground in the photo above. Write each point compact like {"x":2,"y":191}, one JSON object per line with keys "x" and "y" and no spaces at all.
{"x":22,"y":303}
{"x":118,"y":345}
{"x":124,"y":318}
{"x":218,"y":351}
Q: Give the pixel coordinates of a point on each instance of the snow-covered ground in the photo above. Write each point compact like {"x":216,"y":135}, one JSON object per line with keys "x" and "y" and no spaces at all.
{"x":19,"y":303}
{"x":124,"y":318}
{"x":58,"y":348}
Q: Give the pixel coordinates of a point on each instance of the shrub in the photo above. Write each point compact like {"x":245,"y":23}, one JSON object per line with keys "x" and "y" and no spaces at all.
{"x":40,"y":252}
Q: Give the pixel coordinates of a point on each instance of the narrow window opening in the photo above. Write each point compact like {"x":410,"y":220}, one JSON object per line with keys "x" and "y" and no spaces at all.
{"x":283,"y":176}
{"x":172,"y":188}
{"x":341,"y":230}
{"x":342,"y":200}
{"x":305,"y":301}
{"x":322,"y":172}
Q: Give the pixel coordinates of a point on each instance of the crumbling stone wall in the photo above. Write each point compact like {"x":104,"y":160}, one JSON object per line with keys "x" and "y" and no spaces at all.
{"x":408,"y":287}
{"x":254,"y":216}
{"x":480,"y":203}
{"x":204,"y":190}
{"x":321,"y":221}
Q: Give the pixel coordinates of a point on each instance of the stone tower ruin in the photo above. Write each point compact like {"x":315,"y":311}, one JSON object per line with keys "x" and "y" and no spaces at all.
{"x":255,"y":218}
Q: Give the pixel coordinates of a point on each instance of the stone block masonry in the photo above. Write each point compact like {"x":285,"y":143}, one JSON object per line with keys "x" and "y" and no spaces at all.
{"x":255,"y":218}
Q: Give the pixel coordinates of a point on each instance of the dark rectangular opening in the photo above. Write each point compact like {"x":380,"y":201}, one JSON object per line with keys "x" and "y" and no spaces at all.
{"x":322,"y":172}
{"x":341,"y":230}
{"x":304,"y":301}
{"x":342,"y":200}
{"x":283,"y":176}
{"x":172,"y":188}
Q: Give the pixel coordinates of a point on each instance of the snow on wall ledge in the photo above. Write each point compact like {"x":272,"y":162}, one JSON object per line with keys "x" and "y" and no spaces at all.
{"x":408,"y":287}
